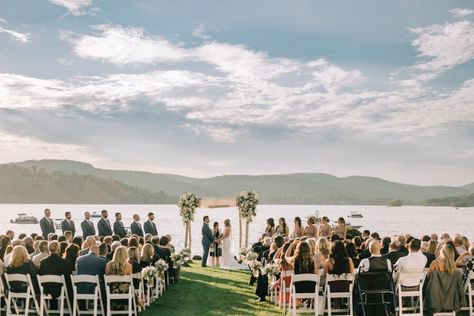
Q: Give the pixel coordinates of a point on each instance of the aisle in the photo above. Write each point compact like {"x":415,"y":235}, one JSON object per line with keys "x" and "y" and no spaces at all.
{"x":210,"y":291}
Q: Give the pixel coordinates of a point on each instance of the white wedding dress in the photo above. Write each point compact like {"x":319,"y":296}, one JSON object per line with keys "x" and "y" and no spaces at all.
{"x":228,"y":260}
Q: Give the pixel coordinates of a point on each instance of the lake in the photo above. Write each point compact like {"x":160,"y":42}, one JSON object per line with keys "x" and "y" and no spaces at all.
{"x":415,"y":220}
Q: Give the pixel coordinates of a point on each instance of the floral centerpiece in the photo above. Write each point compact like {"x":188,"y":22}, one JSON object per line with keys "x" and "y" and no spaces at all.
{"x":188,"y":202}
{"x":161,"y":267}
{"x":149,"y":274}
{"x":247,"y":203}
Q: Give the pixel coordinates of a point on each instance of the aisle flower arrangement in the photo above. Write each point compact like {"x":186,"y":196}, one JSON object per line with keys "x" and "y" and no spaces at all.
{"x":255,"y":266}
{"x":161,"y":267}
{"x":177,"y":259}
{"x":270,"y":269}
{"x":149,"y":274}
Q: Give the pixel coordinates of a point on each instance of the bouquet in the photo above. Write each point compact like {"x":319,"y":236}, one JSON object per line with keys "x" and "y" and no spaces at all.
{"x":247,"y":204}
{"x":188,"y":202}
{"x":270,"y":269}
{"x":243,"y":254}
{"x":161,"y":267}
{"x":149,"y":274}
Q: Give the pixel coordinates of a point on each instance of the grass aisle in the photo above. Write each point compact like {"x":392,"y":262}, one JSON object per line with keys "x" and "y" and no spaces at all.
{"x":211,"y":291}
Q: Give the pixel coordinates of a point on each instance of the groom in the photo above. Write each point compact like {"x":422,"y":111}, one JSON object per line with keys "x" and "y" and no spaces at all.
{"x":207,"y":239}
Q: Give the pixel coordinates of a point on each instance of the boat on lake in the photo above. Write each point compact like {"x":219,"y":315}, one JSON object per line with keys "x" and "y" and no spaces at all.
{"x":57,"y":223}
{"x":355,"y":214}
{"x":96,"y":215}
{"x":23,"y":218}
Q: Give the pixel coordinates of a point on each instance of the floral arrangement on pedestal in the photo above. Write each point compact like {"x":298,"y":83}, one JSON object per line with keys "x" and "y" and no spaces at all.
{"x":149,"y":274}
{"x":187,"y":203}
{"x":247,"y":203}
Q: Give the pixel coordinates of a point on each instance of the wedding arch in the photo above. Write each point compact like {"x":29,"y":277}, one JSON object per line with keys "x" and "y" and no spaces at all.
{"x":246,"y":204}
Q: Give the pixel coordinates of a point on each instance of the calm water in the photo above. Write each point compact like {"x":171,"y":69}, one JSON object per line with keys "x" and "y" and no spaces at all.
{"x":416,"y":220}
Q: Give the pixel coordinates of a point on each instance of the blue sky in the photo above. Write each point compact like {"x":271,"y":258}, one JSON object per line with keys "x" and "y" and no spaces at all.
{"x":250,"y":87}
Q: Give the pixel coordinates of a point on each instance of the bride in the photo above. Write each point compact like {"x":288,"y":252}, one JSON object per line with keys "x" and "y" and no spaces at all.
{"x":228,"y":260}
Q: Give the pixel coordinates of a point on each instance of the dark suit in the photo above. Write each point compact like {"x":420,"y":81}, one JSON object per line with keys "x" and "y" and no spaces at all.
{"x":207,"y":239}
{"x":150,"y":228}
{"x":55,"y":265}
{"x":65,"y":226}
{"x":47,"y":227}
{"x":393,"y":256}
{"x":136,"y":229}
{"x":103,"y":226}
{"x":119,"y":229}
{"x":88,"y":228}
{"x":90,"y":264}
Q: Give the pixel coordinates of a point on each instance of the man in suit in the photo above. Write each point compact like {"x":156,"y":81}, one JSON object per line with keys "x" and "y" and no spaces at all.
{"x":103,"y":226}
{"x":91,"y":264}
{"x":119,"y":229}
{"x":207,"y":239}
{"x":87,"y":226}
{"x":394,"y":253}
{"x":68,"y":224}
{"x":47,"y":224}
{"x":55,"y":265}
{"x":150,"y":226}
{"x":136,"y":227}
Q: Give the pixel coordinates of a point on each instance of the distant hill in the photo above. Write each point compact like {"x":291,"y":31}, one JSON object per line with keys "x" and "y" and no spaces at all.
{"x":298,"y":188}
{"x":455,"y":201}
{"x":23,"y":185}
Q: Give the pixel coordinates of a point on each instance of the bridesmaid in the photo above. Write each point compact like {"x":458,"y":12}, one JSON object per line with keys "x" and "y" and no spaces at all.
{"x":216,"y":251}
{"x":341,"y":228}
{"x":270,"y":229}
{"x":298,"y":230}
{"x":311,"y":230}
{"x":325,"y":229}
{"x":282,"y":229}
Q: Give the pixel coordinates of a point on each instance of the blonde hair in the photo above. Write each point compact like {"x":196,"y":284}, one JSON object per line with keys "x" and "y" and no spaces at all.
{"x":133,"y":254}
{"x":447,"y":253}
{"x":312,"y":245}
{"x":19,"y":257}
{"x":119,"y":262}
{"x":323,"y":246}
{"x":147,"y":252}
{"x":227,"y":223}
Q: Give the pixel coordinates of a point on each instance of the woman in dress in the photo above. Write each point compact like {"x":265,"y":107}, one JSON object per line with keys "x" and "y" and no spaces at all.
{"x":325,"y":229}
{"x":228,"y":260}
{"x":216,"y":251}
{"x":71,"y":254}
{"x":119,"y":266}
{"x":282,"y":229}
{"x":466,"y":262}
{"x":304,"y":263}
{"x":20,"y":263}
{"x":311,"y":230}
{"x":341,"y":228}
{"x":323,"y":250}
{"x":283,"y":265}
{"x":339,"y":261}
{"x":148,"y":256}
{"x":298,"y":230}
{"x":270,"y":229}
{"x":445,"y":262}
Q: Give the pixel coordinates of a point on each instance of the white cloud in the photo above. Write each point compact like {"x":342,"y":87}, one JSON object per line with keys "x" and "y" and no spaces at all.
{"x":75,"y":7}
{"x":17,"y":36}
{"x":200,"y":32}
{"x":460,"y":12}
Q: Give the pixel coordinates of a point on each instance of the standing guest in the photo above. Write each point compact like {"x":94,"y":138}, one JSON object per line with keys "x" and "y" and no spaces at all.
{"x":270,"y":229}
{"x":282,"y":228}
{"x":44,"y":253}
{"x":55,"y":265}
{"x":414,"y":262}
{"x":119,"y":229}
{"x":47,"y":224}
{"x":136,"y":227}
{"x":21,"y":264}
{"x":325,"y":229}
{"x":341,"y":228}
{"x":68,"y":224}
{"x":338,"y":262}
{"x":87,"y":226}
{"x":150,"y":226}
{"x":394,"y":254}
{"x":311,"y":230}
{"x":298,"y":230}
{"x":207,"y":240}
{"x":103,"y":225}
{"x":90,"y":264}
{"x":71,"y":254}
{"x":376,"y":262}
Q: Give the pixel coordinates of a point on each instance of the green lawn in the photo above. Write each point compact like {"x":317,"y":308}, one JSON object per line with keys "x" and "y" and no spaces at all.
{"x":211,"y":291}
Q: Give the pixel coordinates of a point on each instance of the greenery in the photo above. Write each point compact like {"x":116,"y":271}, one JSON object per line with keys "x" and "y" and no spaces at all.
{"x":394,"y":203}
{"x":454,"y":201}
{"x":211,"y":291}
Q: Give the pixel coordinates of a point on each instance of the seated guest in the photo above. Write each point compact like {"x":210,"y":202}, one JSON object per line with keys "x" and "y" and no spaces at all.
{"x":5,"y":241}
{"x":91,"y":264}
{"x":283,"y":266}
{"x":429,"y":251}
{"x":78,"y":241}
{"x":20,"y":263}
{"x":28,"y":243}
{"x":55,"y":265}
{"x":304,"y":263}
{"x":119,"y":266}
{"x":115,"y":245}
{"x":44,"y":253}
{"x":338,"y":262}
{"x":352,"y":253}
{"x":89,"y":242}
{"x":148,"y":256}
{"x":458,"y":244}
{"x":36,"y":248}
{"x":160,"y":251}
{"x":322,"y":253}
{"x":71,"y":254}
{"x":375,"y":263}
{"x":15,"y":243}
{"x":133,"y":259}
{"x":385,"y":245}
{"x":103,"y":251}
{"x":466,"y":262}
{"x":414,"y":262}
{"x":62,"y":247}
{"x":394,"y":253}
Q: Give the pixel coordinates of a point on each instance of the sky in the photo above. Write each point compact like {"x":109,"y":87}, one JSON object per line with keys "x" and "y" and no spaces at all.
{"x":205,"y":88}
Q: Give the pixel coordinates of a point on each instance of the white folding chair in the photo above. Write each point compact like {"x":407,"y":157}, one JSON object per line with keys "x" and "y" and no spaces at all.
{"x":284,"y":290}
{"x":13,"y":297}
{"x":469,"y":290}
{"x":345,"y":280}
{"x":3,"y":298}
{"x":445,"y":314}
{"x":140,"y":290}
{"x":272,"y":293}
{"x":110,"y":280}
{"x":160,"y":287}
{"x":95,"y":297}
{"x":313,"y":296}
{"x":410,"y":281}
{"x":63,"y":298}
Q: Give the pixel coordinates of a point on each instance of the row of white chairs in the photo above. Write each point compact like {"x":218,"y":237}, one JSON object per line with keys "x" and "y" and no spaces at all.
{"x":322,"y":297}
{"x":26,"y":302}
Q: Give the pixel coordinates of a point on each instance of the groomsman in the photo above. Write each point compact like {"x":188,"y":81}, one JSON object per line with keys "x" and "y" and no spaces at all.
{"x":67,"y":224}
{"x":119,"y":229}
{"x":103,"y":226}
{"x":150,"y":226}
{"x":47,"y":224}
{"x":87,"y":226}
{"x":135,"y":227}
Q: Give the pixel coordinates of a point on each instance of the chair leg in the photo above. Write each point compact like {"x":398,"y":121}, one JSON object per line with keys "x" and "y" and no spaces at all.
{"x":27,"y":306}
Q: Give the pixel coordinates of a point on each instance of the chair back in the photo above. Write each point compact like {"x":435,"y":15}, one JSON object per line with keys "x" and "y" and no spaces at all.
{"x":305,"y":277}
{"x":117,"y":279}
{"x":337,"y":283}
{"x":51,"y":279}
{"x":84,"y":278}
{"x":469,"y":285}
{"x":410,"y":278}
{"x":374,"y":281}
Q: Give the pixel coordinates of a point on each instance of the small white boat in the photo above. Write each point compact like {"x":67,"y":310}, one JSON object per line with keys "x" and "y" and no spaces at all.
{"x":57,"y":223}
{"x":23,"y":218}
{"x":95,"y":215}
{"x":355,"y":214}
